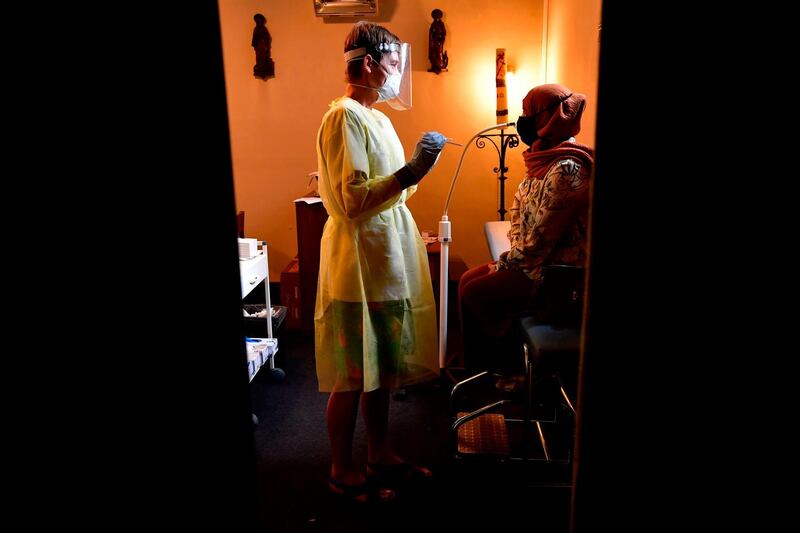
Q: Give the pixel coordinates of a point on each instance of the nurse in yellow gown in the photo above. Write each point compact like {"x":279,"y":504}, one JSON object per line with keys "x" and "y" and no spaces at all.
{"x":375,"y":317}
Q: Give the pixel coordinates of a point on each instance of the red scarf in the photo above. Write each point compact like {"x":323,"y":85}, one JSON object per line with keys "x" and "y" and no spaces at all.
{"x":539,"y":162}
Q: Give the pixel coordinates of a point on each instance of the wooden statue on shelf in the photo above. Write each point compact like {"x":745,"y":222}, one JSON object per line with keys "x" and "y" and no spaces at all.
{"x":436,"y":35}
{"x":262,"y":43}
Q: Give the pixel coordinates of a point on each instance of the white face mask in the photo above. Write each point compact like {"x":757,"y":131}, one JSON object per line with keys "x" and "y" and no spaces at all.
{"x":391,"y":87}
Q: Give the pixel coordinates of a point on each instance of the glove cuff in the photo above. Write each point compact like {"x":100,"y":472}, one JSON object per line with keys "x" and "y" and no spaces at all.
{"x":406,"y":177}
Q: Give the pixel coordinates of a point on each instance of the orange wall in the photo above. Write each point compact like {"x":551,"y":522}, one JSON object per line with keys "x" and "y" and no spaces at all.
{"x":573,"y":51}
{"x":273,"y":123}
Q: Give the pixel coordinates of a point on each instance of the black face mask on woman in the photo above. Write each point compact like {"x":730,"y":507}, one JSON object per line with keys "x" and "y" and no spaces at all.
{"x":526,"y":127}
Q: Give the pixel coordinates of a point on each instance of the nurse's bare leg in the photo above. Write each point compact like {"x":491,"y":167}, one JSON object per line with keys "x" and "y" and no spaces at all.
{"x":381,"y":460}
{"x":375,"y":411}
{"x":341,"y":418}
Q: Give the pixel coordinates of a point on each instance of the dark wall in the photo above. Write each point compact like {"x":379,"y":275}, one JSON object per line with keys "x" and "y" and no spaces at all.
{"x":211,"y":448}
{"x":659,"y":313}
{"x":176,"y":438}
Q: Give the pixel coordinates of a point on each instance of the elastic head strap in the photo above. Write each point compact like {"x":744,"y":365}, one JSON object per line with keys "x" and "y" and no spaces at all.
{"x":381,"y":48}
{"x":352,"y":55}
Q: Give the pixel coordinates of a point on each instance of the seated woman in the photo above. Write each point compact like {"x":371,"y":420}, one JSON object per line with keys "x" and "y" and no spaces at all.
{"x":549,"y":221}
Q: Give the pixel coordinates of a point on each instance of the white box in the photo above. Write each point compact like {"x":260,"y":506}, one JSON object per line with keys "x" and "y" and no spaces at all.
{"x":248,"y":248}
{"x":259,"y":352}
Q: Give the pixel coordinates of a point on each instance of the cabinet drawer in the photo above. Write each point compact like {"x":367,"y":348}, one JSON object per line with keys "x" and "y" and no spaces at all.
{"x":252,"y":272}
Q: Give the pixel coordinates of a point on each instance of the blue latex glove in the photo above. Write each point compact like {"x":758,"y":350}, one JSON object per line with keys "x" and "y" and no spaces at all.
{"x":426,"y":154}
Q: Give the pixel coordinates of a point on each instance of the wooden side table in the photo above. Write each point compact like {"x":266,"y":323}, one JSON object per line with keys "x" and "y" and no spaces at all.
{"x":311,"y":217}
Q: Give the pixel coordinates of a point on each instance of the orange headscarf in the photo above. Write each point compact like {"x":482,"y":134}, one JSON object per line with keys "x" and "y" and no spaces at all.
{"x":558,"y":117}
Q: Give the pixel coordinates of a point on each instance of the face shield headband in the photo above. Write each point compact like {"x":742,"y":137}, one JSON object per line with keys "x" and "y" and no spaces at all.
{"x":396,"y":90}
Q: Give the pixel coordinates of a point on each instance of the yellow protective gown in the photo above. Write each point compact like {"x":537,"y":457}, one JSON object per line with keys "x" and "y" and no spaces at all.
{"x":375,"y":317}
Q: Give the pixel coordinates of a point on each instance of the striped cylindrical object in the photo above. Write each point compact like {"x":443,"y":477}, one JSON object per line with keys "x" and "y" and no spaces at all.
{"x":500,"y":83}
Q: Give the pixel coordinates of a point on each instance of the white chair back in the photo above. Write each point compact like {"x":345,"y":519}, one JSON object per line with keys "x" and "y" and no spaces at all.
{"x":497,"y":237}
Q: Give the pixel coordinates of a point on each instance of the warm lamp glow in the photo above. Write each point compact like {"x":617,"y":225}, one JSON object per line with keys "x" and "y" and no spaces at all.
{"x":483,"y":93}
{"x":518,"y":83}
{"x":511,"y":91}
{"x":479,"y":93}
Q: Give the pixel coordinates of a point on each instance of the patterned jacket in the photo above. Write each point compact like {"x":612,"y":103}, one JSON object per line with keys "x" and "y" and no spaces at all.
{"x":549,"y":220}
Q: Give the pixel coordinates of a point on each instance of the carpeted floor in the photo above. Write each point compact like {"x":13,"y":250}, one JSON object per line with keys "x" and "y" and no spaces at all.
{"x":292,"y":448}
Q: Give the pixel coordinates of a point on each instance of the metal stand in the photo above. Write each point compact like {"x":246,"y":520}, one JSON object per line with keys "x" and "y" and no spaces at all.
{"x":276,"y":375}
{"x":445,"y":228}
{"x":507,"y":140}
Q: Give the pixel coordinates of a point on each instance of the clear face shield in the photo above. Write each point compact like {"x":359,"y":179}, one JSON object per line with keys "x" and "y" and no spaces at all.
{"x":396,"y":90}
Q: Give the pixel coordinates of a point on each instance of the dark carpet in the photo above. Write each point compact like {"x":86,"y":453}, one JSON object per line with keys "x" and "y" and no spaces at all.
{"x":293,"y":462}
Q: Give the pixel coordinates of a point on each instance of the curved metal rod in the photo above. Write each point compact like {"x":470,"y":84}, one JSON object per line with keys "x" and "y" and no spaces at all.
{"x":464,"y":152}
{"x":480,"y":144}
{"x":508,"y":141}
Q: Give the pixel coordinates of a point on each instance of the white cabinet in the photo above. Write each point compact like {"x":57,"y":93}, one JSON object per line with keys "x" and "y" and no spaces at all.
{"x":252,"y":272}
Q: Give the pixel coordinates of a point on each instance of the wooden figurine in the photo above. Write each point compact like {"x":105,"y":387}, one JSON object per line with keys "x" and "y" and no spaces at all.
{"x":262,"y":43}
{"x":436,"y":35}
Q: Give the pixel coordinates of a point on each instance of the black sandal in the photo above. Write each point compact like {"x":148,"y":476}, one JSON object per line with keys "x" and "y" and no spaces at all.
{"x":361,"y":493}
{"x":399,"y":472}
